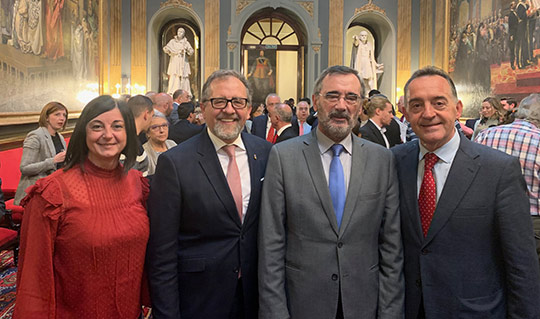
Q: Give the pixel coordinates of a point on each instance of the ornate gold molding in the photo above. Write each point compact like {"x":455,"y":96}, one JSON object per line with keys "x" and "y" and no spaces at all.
{"x":308,"y":6}
{"x":231,"y":46}
{"x":242,"y":4}
{"x":316,"y":47}
{"x":229,"y":31}
{"x":369,"y":7}
{"x":175,"y":3}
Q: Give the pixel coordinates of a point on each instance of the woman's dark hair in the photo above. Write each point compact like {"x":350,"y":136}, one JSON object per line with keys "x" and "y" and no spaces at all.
{"x":77,"y":151}
{"x":49,"y":109}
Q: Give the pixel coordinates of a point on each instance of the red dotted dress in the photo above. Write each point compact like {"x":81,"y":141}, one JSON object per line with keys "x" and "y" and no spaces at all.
{"x":83,"y":243}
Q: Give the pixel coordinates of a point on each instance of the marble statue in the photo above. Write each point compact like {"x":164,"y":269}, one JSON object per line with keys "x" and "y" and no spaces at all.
{"x":363,"y":60}
{"x":179,"y":70}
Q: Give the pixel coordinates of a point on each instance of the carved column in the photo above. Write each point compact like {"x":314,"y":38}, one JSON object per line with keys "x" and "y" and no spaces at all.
{"x":403,"y":43}
{"x":426,"y":33}
{"x":335,"y":33}
{"x":116,"y":44}
{"x":440,"y":58}
{"x":211,"y":37}
{"x":138,"y":43}
{"x":104,"y":47}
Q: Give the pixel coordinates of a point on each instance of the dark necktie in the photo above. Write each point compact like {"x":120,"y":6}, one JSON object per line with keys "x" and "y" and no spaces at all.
{"x":427,"y":199}
{"x":336,"y":183}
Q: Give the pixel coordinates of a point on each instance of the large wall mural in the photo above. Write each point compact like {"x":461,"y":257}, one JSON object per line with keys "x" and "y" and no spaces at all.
{"x":48,"y":52}
{"x":494,"y":48}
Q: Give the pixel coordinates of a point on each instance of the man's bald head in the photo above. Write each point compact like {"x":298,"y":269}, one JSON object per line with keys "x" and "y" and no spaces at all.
{"x":163,"y":103}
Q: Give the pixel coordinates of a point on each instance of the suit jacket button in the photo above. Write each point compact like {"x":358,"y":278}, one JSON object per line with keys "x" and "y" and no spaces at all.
{"x":340,"y":244}
{"x":235,"y":270}
{"x":334,"y":277}
{"x":418,"y":283}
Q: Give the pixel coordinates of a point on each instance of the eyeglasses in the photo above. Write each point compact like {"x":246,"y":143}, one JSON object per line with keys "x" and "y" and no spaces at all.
{"x":158,"y":127}
{"x":221,"y":103}
{"x":333,"y":97}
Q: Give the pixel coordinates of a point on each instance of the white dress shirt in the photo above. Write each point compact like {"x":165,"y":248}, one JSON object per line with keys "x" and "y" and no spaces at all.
{"x":382,"y":130}
{"x":446,"y":154}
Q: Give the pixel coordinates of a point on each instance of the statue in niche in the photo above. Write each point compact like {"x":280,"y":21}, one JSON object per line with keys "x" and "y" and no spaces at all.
{"x":363,"y":60}
{"x":179,"y":70}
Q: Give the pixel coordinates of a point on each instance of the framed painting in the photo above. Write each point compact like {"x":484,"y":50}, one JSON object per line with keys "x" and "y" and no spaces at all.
{"x":49,"y":51}
{"x":260,"y":70}
{"x":493,"y":50}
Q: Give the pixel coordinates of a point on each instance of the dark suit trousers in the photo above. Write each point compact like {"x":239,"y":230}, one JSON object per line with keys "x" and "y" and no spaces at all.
{"x":237,"y":311}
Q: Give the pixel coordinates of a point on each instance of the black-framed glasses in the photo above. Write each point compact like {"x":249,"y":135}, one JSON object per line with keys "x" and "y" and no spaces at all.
{"x":221,"y":103}
{"x":333,"y":97}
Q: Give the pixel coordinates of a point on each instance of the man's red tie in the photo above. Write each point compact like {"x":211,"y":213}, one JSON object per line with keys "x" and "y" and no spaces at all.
{"x":271,"y":135}
{"x":427,"y":199}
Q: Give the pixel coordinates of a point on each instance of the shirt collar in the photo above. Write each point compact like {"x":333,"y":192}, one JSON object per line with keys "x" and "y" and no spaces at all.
{"x":447,"y":152}
{"x":283,"y":128}
{"x":219,"y":143}
{"x":326,"y":143}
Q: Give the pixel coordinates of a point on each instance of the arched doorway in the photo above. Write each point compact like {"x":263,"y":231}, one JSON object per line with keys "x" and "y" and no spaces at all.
{"x":272,"y":55}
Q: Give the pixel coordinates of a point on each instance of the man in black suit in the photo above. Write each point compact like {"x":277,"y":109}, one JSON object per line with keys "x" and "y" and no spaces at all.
{"x":281,"y":121}
{"x":262,"y":127}
{"x":204,"y":212}
{"x":184,"y":128}
{"x":380,"y":115}
{"x":467,"y":233}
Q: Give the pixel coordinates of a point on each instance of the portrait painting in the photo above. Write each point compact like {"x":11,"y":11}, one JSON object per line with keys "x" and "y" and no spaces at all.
{"x":494,"y":48}
{"x":48,"y":52}
{"x":260,"y":70}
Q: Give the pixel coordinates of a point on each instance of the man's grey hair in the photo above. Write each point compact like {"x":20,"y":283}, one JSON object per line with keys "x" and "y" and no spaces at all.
{"x":529,"y":109}
{"x":342,"y":70}
{"x":430,"y":71}
{"x":284,"y":112}
{"x":223,"y":74}
{"x":269,"y":96}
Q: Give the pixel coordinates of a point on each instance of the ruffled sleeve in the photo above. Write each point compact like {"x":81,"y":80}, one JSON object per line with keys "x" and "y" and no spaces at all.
{"x":48,"y":190}
{"x":35,"y":277}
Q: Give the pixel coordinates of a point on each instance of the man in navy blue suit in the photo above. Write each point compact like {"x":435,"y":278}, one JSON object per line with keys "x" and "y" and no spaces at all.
{"x":204,"y":212}
{"x":467,"y":233}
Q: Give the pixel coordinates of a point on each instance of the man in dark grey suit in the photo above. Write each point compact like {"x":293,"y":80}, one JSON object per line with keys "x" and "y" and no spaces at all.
{"x":334,"y":252}
{"x":281,"y":121}
{"x":467,"y":232}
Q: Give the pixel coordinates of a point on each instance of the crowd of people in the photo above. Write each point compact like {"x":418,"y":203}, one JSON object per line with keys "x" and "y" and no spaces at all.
{"x":332,"y":207}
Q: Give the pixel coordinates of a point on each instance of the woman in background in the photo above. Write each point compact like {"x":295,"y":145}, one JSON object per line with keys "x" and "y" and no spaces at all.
{"x":43,"y":148}
{"x":492,"y":114}
{"x":85,"y":228}
{"x":157,"y":141}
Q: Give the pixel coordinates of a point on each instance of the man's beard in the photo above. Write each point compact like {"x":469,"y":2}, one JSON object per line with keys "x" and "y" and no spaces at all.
{"x":226,"y":133}
{"x":337,"y":133}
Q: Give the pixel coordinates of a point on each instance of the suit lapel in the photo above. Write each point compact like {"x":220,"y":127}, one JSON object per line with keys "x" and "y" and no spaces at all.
{"x":461,"y":175}
{"x":358,"y":166}
{"x":256,"y":173}
{"x":316,"y":171}
{"x":408,"y":178}
{"x":212,"y":168}
{"x":377,"y":134}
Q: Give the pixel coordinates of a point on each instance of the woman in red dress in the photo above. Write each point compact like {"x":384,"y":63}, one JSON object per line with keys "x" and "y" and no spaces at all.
{"x":85,"y":227}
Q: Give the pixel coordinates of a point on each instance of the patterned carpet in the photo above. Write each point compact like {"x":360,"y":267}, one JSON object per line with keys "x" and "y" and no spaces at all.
{"x":8,"y":278}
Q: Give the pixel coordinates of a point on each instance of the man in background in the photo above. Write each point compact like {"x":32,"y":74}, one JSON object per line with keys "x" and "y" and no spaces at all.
{"x":184,"y":128}
{"x":179,"y":96}
{"x":262,"y":126}
{"x":281,"y":121}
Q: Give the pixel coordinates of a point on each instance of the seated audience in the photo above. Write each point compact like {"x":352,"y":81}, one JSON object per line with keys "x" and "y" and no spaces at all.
{"x":85,"y":227}
{"x":157,"y":141}
{"x":43,"y":148}
{"x":490,"y":115}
